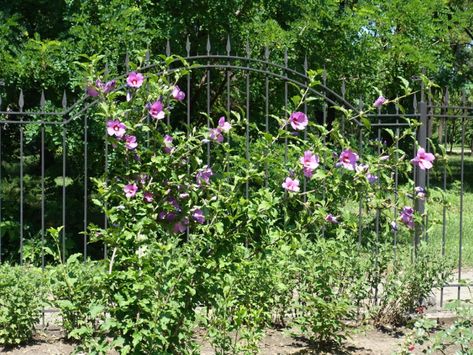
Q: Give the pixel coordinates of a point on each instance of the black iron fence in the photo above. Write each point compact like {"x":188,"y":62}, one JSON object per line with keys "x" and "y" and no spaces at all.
{"x":47,"y":156}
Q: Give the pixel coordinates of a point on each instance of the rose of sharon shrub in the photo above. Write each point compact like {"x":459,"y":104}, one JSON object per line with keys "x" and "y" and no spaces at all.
{"x":184,"y":234}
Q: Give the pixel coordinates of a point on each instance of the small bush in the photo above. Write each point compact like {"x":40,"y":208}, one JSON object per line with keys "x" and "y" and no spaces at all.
{"x":21,"y":300}
{"x":409,"y":281}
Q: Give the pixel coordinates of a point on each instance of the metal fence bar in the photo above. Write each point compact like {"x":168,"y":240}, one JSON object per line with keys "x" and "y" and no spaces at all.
{"x":444,"y":209}
{"x":207,"y":73}
{"x":42,"y":104}
{"x":64,"y":157}
{"x":247,"y":121}
{"x":462,"y":192}
{"x":20,"y":104}
{"x":86,"y":178}
{"x":266,"y":112}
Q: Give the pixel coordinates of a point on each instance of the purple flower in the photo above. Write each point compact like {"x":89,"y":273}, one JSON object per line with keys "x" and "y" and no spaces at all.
{"x":178,"y":94}
{"x":148,"y":197}
{"x":143,"y":178}
{"x":216,"y":135}
{"x":92,"y":91}
{"x":168,"y":147}
{"x":291,"y":185}
{"x":174,"y":204}
{"x":407,"y":216}
{"x":348,"y":159}
{"x":116,"y":128}
{"x":371,"y":178}
{"x":109,"y":86}
{"x":420,"y":192}
{"x":224,"y":126}
{"x":298,"y":120}
{"x":198,"y":216}
{"x":134,"y":79}
{"x":162,"y":215}
{"x":331,"y":218}
{"x":130,"y":142}
{"x":203,"y":175}
{"x":130,"y":190}
{"x":423,"y":160}
{"x":179,"y":227}
{"x":156,"y":110}
{"x":379,"y":101}
{"x":309,"y":162}
{"x":170,"y":216}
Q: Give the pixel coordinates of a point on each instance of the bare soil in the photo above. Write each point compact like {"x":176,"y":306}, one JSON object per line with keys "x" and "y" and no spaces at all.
{"x":275,"y":342}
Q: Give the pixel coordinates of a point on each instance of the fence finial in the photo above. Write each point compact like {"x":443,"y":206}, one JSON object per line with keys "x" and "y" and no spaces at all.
{"x":147,"y":56}
{"x":21,"y":100}
{"x":324,"y":76}
{"x":266,"y":52}
{"x":306,"y":66}
{"x":106,"y":71}
{"x":344,"y":88}
{"x":64,"y":100}
{"x":229,"y":46}
{"x":188,"y":46}
{"x":285,"y":57}
{"x":247,"y":48}
{"x":168,"y":48}
{"x":42,"y":100}
{"x":208,"y":45}
{"x":446,"y":97}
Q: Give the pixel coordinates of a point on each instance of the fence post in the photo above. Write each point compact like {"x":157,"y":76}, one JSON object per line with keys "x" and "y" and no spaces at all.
{"x":420,"y":178}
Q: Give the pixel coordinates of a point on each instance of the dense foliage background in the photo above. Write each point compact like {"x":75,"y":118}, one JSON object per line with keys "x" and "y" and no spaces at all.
{"x":368,"y":42}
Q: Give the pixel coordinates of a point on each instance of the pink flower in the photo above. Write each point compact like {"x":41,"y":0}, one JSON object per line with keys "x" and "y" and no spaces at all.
{"x":331,"y":218}
{"x":156,"y":110}
{"x":291,"y":185}
{"x":130,"y":190}
{"x":407,"y":216}
{"x":216,"y":135}
{"x":148,"y":197}
{"x":203,"y":175}
{"x":310,"y":162}
{"x":134,"y":79}
{"x":348,"y":159}
{"x":198,"y":216}
{"x":423,"y":160}
{"x":178,"y":94}
{"x":298,"y":120}
{"x":379,"y":101}
{"x":116,"y":128}
{"x":168,"y":147}
{"x":224,"y":126}
{"x":130,"y":142}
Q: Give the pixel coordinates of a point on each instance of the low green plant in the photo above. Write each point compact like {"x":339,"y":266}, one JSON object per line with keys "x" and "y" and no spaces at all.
{"x":22,"y":295}
{"x":457,"y":337}
{"x":408,"y":281}
{"x":78,"y":292}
